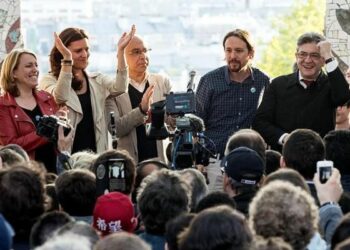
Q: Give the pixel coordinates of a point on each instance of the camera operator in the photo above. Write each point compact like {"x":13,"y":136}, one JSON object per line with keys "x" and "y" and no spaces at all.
{"x":21,"y":104}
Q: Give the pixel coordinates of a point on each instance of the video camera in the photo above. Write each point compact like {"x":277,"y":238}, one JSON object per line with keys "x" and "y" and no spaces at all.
{"x":189,"y":145}
{"x":48,"y":127}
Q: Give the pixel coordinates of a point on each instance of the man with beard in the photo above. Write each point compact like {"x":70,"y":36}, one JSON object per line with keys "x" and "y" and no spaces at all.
{"x":227,"y":97}
{"x":132,"y":108}
{"x":307,"y":98}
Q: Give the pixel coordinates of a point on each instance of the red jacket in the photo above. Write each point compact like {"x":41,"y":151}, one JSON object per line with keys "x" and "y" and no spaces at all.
{"x":17,"y":127}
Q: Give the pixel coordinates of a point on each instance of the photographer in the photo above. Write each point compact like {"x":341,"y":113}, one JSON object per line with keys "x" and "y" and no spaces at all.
{"x":21,"y":104}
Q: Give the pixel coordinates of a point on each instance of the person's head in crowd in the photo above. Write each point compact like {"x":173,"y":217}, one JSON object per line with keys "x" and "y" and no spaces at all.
{"x":162,"y":196}
{"x":69,"y":241}
{"x":10,"y":157}
{"x":76,"y":192}
{"x":143,"y":169}
{"x":136,"y":55}
{"x":129,"y":168}
{"x":239,"y":49}
{"x":80,"y":228}
{"x":174,"y":227}
{"x":6,"y":234}
{"x":290,"y":175}
{"x":280,"y":209}
{"x":51,"y":203}
{"x":272,"y":243}
{"x":342,"y":116}
{"x":307,"y":49}
{"x":247,"y":138}
{"x":21,"y":200}
{"x":196,"y":180}
{"x":216,"y":228}
{"x":18,"y":149}
{"x":12,"y":68}
{"x":122,"y":241}
{"x":342,"y":231}
{"x":302,"y":150}
{"x":337,"y":143}
{"x":215,"y":199}
{"x":71,"y":37}
{"x":344,"y":245}
{"x":83,"y":159}
{"x":46,"y":226}
{"x":273,"y":159}
{"x":113,"y":213}
{"x":244,"y":169}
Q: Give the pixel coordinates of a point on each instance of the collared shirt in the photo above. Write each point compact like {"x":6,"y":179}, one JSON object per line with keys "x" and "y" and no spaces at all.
{"x":227,"y":106}
{"x":140,"y":86}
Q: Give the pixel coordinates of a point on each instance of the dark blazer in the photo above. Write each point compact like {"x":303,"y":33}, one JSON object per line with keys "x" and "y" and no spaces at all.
{"x":287,"y":106}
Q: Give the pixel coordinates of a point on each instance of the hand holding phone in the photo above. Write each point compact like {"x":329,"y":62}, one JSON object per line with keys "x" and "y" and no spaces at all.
{"x":324,"y":170}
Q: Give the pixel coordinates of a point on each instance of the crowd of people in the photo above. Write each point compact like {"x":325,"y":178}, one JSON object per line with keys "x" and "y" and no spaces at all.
{"x":65,"y":185}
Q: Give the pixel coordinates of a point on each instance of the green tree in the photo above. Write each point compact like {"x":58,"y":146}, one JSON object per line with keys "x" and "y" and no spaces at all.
{"x":279,"y":56}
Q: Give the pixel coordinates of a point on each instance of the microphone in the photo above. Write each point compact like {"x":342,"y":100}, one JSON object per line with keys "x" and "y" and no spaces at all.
{"x":113,"y":131}
{"x":190,"y":84}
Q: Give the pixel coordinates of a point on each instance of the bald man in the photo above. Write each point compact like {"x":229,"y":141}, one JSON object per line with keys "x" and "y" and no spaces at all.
{"x":131,"y":108}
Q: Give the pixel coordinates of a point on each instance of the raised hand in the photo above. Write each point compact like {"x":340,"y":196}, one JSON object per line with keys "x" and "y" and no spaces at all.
{"x":126,"y":38}
{"x":67,"y":55}
{"x":325,"y":49}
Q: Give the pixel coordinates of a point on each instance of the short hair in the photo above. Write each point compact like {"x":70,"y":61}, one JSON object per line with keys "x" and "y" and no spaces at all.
{"x":281,"y":209}
{"x":215,"y":199}
{"x":302,"y":150}
{"x":230,"y":227}
{"x":69,"y":241}
{"x":10,"y":157}
{"x":310,"y":37}
{"x":46,"y":226}
{"x":247,"y":138}
{"x":241,"y":34}
{"x":174,"y":227}
{"x":342,"y":231}
{"x":52,"y":203}
{"x":121,"y":241}
{"x":22,"y":198}
{"x":162,"y":196}
{"x":76,"y":192}
{"x":337,"y":144}
{"x":10,"y":64}
{"x":197,"y":182}
{"x":273,"y":158}
{"x":271,"y":243}
{"x":67,"y":36}
{"x":129,"y":170}
{"x":18,"y":149}
{"x":141,"y":173}
{"x":83,"y":159}
{"x":290,"y":175}
{"x":79,"y":228}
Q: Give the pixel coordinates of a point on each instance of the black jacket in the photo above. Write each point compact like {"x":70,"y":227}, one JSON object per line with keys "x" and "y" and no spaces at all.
{"x":287,"y":106}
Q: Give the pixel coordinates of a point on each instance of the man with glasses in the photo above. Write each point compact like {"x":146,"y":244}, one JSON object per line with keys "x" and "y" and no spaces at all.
{"x":306,"y":98}
{"x":227,"y":97}
{"x":131,"y":108}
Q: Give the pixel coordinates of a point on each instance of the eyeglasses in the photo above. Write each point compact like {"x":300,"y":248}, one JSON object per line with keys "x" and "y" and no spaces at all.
{"x":303,"y":55}
{"x":138,"y":52}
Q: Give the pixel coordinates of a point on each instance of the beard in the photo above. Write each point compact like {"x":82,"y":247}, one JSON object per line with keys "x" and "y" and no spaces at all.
{"x":235,"y":66}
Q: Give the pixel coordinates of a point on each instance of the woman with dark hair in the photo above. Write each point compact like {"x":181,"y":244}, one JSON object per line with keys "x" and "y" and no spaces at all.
{"x":84,"y":93}
{"x":21,"y":104}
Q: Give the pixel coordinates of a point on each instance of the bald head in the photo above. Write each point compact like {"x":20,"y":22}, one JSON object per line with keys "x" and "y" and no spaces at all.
{"x":137,"y":57}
